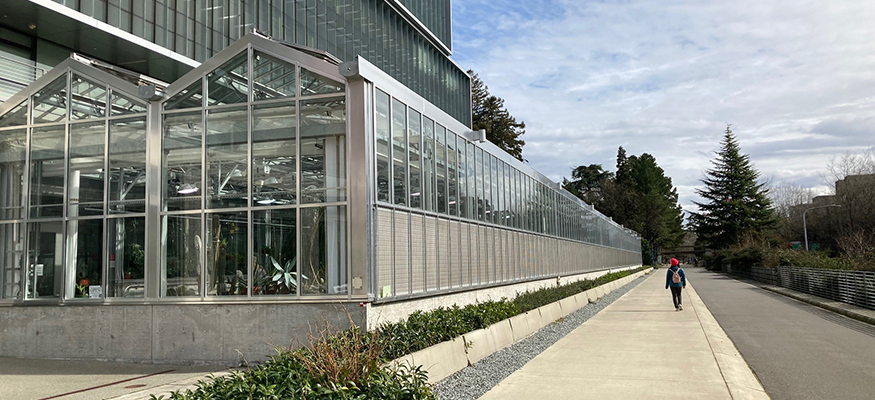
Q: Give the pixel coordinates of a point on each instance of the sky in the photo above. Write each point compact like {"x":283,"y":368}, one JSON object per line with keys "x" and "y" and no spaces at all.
{"x":795,"y":79}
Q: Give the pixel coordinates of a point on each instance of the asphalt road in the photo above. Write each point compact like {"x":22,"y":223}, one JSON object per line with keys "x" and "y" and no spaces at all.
{"x":798,"y":351}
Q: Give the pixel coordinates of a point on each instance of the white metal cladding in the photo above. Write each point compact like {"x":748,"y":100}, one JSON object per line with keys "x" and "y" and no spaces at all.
{"x":439,"y":255}
{"x":385,"y":253}
{"x":465,"y":249}
{"x":402,"y":250}
{"x":455,"y":259}
{"x":431,"y":259}
{"x":417,"y":254}
{"x":442,"y":250}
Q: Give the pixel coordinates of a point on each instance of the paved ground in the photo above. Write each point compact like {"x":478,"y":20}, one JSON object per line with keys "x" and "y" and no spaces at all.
{"x":80,"y":380}
{"x":639,"y":347}
{"x":797,"y":350}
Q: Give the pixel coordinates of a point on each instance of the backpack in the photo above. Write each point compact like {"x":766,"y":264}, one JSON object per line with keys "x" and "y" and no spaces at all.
{"x":676,"y":277}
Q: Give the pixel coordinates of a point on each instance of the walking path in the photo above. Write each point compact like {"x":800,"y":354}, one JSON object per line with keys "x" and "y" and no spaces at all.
{"x":639,"y":347}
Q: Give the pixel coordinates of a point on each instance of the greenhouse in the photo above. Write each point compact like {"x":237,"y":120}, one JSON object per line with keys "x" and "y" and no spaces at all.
{"x":265,"y":189}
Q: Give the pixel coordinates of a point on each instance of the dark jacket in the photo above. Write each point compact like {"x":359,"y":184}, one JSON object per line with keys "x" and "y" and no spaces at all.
{"x":670,"y":272}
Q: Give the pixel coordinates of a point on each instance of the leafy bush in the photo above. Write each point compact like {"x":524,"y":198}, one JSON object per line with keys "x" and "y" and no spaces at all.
{"x":340,"y":366}
{"x":743,"y":258}
{"x":351,"y":364}
{"x":427,"y":328}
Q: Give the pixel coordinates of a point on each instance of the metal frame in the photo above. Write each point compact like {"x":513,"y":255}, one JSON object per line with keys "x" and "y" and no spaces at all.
{"x":154,"y":214}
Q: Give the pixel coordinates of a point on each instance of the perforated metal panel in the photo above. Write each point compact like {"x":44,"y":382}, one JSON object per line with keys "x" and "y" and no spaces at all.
{"x":402,"y":252}
{"x":385,"y":258}
{"x":443,"y":247}
{"x":455,"y":263}
{"x":431,"y":249}
{"x":464,"y":248}
{"x":417,"y":253}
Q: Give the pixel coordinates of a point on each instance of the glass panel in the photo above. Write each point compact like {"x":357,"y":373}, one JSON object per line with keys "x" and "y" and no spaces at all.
{"x":462,"y":159}
{"x":383,"y":138}
{"x":483,"y":158}
{"x":186,"y":98}
{"x":85,"y":179}
{"x":275,"y":244}
{"x":50,"y":103}
{"x":229,"y":83}
{"x":15,"y":117}
{"x":227,"y":158}
{"x":120,"y":104}
{"x":88,"y":99}
{"x":273,"y":154}
{"x":494,"y":179}
{"x":227,"y":272}
{"x":46,"y":256}
{"x":183,"y":255}
{"x":323,"y":154}
{"x":399,"y":151}
{"x":126,"y":238}
{"x":312,"y":83}
{"x":182,"y":161}
{"x":127,"y":166}
{"x":473,"y":196}
{"x":272,"y":77}
{"x":428,"y":182}
{"x":441,"y":170}
{"x":47,"y":171}
{"x":452,"y":175}
{"x":414,"y":138}
{"x":11,"y":260}
{"x":85,"y":251}
{"x":323,"y":250}
{"x":12,"y":158}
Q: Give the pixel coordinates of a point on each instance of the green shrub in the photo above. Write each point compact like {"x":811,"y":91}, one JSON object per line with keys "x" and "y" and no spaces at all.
{"x":339,"y":366}
{"x":427,"y":328}
{"x":352,"y":364}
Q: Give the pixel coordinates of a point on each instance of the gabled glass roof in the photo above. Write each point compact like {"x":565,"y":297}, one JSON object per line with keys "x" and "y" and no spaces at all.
{"x":74,"y":90}
{"x":277,"y":71}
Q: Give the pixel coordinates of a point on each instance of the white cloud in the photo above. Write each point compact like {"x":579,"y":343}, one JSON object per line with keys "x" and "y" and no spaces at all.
{"x":795,"y":80}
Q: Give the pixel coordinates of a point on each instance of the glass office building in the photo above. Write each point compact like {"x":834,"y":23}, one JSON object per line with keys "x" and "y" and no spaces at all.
{"x":409,"y":39}
{"x":270,"y":187}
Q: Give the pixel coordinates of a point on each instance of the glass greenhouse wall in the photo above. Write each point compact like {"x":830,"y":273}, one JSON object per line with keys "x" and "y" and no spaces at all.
{"x":266,"y":190}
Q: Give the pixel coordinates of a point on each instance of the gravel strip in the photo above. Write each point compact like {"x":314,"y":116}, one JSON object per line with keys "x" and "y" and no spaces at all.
{"x":473,"y":382}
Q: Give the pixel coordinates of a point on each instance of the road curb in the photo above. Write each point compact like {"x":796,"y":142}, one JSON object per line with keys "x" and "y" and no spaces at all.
{"x":847,"y":310}
{"x":740,"y":379}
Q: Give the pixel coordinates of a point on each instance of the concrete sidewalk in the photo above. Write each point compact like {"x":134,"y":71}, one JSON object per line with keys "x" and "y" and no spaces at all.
{"x":639,"y":347}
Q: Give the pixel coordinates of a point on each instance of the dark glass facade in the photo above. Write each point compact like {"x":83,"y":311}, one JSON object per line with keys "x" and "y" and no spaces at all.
{"x":435,"y":15}
{"x":198,"y":29}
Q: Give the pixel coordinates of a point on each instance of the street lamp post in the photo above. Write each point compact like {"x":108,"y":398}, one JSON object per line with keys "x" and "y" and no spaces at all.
{"x":805,"y":225}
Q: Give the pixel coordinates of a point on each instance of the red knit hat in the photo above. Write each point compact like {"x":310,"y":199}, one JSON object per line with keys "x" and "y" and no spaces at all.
{"x":674,"y":262}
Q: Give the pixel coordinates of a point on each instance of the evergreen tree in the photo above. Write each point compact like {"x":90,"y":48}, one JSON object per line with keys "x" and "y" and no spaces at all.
{"x":639,"y":196}
{"x":736,"y":206}
{"x":587,"y":181}
{"x":488,"y":112}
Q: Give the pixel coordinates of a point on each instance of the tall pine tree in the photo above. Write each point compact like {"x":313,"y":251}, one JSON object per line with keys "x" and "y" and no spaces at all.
{"x":737,"y":207}
{"x":488,"y":113}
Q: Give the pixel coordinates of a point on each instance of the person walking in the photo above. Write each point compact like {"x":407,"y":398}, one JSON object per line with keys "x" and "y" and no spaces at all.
{"x":677,"y":281}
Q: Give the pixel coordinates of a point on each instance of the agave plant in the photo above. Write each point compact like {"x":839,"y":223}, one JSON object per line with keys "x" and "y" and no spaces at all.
{"x":285,"y":274}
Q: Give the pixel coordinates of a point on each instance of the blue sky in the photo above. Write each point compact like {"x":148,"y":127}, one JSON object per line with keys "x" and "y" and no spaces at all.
{"x":796,"y":79}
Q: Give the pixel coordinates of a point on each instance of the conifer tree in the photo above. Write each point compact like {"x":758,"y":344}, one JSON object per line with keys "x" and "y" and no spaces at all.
{"x":736,"y":206}
{"x":488,"y":112}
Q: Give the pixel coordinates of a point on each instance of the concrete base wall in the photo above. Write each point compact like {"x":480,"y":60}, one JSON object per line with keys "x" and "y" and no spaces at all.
{"x":399,"y":310}
{"x":178,"y":334}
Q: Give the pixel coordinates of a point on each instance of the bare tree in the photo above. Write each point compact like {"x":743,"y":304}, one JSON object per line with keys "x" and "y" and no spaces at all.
{"x":840,"y":167}
{"x":785,"y":195}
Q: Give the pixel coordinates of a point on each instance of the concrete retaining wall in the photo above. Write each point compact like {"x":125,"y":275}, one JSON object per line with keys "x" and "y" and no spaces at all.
{"x":445,"y":359}
{"x":180,"y":334}
{"x":399,"y":310}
